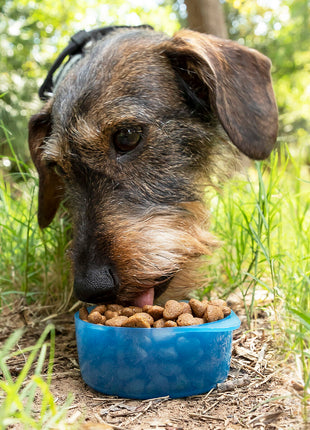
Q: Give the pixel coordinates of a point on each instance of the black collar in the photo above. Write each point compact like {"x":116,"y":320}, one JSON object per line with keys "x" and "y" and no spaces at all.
{"x":75,"y":52}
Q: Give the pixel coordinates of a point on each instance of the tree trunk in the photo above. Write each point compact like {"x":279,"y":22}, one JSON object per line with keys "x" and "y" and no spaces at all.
{"x":206,"y":16}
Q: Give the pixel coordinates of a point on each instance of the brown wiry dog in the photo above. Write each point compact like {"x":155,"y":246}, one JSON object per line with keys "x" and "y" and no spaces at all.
{"x":131,"y":137}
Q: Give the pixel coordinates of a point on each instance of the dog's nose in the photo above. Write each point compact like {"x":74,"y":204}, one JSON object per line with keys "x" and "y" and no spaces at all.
{"x":97,"y":284}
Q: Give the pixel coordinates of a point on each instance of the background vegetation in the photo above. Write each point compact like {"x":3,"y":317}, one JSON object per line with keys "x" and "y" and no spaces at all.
{"x":261,"y":217}
{"x":33,"y":32}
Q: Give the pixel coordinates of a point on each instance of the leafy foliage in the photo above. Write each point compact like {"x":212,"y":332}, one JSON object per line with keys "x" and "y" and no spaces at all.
{"x":31,"y":35}
{"x":33,"y":32}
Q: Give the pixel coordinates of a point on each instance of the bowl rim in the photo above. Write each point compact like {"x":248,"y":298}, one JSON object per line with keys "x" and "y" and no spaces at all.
{"x":227,"y":324}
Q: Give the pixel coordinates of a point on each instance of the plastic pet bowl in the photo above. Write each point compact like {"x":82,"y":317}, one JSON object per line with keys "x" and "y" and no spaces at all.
{"x":144,"y":363}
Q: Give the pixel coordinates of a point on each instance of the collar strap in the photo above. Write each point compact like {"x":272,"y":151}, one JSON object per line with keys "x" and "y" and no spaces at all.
{"x":75,"y":48}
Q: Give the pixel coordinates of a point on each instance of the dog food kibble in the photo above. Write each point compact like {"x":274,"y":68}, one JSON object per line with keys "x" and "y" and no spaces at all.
{"x":130,"y":311}
{"x":141,"y":319}
{"x":170,"y":323}
{"x":198,"y":307}
{"x":160,"y":323}
{"x":117,"y":321}
{"x":172,"y":309}
{"x":213,"y":313}
{"x":186,"y":308}
{"x":173,"y":314}
{"x":101,"y":309}
{"x":95,"y":317}
{"x":188,"y":319}
{"x":110,"y":314}
{"x":156,"y":312}
{"x":83,"y":314}
{"x":115,"y":308}
{"x":226,"y":311}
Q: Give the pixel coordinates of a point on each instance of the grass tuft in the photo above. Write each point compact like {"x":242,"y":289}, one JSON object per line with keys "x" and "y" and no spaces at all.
{"x":262,"y":219}
{"x":33,"y":262}
{"x":21,"y":393}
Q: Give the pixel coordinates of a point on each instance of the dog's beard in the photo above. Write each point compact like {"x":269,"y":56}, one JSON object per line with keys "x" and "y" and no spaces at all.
{"x":159,"y":250}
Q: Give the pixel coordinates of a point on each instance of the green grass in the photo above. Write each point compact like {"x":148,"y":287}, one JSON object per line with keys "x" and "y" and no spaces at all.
{"x":19,"y":393}
{"x":261,"y":217}
{"x":263,"y":221}
{"x":33,"y":262}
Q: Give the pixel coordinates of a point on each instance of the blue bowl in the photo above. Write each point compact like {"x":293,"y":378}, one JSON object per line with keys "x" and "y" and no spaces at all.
{"x":141,"y":363}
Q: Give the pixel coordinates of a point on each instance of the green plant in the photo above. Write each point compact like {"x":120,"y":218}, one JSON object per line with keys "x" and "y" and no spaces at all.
{"x":33,"y":262}
{"x":19,"y":393}
{"x":300,"y":338}
{"x":263,"y":222}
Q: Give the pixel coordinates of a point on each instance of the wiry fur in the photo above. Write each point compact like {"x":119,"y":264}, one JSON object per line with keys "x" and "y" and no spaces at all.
{"x":140,"y":215}
{"x":160,"y":244}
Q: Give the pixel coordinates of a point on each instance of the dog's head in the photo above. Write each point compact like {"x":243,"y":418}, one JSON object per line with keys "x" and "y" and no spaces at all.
{"x":129,"y":139}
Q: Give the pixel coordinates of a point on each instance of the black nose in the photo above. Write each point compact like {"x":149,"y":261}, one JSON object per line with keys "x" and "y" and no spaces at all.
{"x":97,"y":284}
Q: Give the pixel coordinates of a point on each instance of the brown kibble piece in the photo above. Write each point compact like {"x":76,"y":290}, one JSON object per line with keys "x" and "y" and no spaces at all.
{"x":131,"y":310}
{"x":96,"y":318}
{"x":156,"y":312}
{"x":218,"y":302}
{"x":137,"y":323}
{"x":146,"y":308}
{"x":226,"y":311}
{"x":170,"y":323}
{"x":128,"y":312}
{"x":148,"y":317}
{"x":172,"y":310}
{"x":159,"y":323}
{"x":110,"y":314}
{"x":198,"y":307}
{"x":213,"y":313}
{"x":136,"y":309}
{"x":198,"y":321}
{"x":186,"y":308}
{"x":115,"y":308}
{"x":100,"y":308}
{"x":83,"y":313}
{"x":117,"y":321}
{"x":141,"y":319}
{"x":187,"y":320}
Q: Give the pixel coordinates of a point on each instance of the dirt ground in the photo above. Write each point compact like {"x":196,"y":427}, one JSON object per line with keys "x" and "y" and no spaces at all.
{"x":261,"y":391}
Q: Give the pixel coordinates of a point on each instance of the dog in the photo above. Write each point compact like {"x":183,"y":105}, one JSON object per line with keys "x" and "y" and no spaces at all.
{"x":135,"y":130}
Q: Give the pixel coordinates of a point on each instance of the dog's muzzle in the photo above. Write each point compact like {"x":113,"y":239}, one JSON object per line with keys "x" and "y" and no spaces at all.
{"x":96,"y":285}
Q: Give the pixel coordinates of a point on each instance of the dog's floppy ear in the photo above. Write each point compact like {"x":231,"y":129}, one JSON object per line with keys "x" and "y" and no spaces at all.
{"x":236,"y":80}
{"x":50,"y":184}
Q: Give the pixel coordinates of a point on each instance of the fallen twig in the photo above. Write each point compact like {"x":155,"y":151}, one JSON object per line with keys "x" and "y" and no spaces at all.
{"x":242,"y":365}
{"x":233,"y":384}
{"x":267,"y":379}
{"x":246,"y":353}
{"x":206,"y":417}
{"x":261,"y":356}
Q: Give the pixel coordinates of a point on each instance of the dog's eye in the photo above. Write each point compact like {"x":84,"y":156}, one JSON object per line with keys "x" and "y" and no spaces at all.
{"x":127,"y":139}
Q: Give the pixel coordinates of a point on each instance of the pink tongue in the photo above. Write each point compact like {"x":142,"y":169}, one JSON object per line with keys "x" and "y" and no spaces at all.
{"x":146,"y":298}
